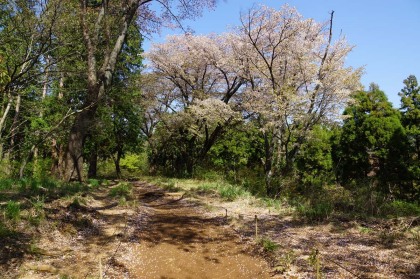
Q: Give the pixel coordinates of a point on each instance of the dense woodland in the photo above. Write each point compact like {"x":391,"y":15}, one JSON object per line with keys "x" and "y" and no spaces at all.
{"x":269,"y":105}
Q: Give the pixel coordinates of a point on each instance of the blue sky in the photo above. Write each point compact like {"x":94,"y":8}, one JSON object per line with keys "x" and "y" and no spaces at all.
{"x":386,"y":33}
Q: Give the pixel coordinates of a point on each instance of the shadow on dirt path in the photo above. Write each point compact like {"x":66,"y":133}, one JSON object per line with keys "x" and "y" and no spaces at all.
{"x":179,"y":241}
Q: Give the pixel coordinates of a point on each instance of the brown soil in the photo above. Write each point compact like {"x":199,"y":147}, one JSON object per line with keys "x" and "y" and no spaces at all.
{"x":158,"y":235}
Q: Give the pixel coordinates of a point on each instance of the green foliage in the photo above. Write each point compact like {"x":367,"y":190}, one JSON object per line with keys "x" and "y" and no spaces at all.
{"x":269,"y":245}
{"x":12,"y":211}
{"x":135,"y":162}
{"x":274,"y":203}
{"x":230,"y":192}
{"x":410,"y":110}
{"x":6,"y":184}
{"x":123,"y":189}
{"x":400,"y":208}
{"x":372,"y":142}
{"x":285,"y":261}
{"x":315,"y":261}
{"x":94,"y":183}
{"x":238,"y":147}
{"x":314,"y":162}
{"x":36,"y":212}
{"x":207,"y":188}
{"x":365,"y":230}
{"x":315,"y":210}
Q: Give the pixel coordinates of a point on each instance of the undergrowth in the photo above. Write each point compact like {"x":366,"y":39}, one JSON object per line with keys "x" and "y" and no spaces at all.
{"x":22,"y":201}
{"x":319,"y":203}
{"x":123,"y":189}
{"x":268,"y":244}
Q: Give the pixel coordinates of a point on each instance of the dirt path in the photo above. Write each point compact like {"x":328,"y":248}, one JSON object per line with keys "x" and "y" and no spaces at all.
{"x":161,"y":236}
{"x":180,"y":241}
{"x":165,"y":235}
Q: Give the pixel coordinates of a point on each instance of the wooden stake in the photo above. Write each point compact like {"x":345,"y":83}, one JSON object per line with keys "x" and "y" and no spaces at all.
{"x":256,"y":227}
{"x":100,"y":268}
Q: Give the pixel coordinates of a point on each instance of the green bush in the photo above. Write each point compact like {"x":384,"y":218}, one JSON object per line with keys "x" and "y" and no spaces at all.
{"x":71,"y":188}
{"x":135,"y":162}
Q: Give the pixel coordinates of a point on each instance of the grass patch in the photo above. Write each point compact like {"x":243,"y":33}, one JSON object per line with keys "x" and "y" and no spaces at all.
{"x":365,"y":230}
{"x":6,"y":184}
{"x":285,"y":261}
{"x":5,"y":231}
{"x":123,"y":189}
{"x":273,"y":203}
{"x":268,"y":245}
{"x":230,"y":193}
{"x":207,"y":188}
{"x":12,"y":211}
{"x":94,"y":183}
{"x":398,"y":208}
{"x":36,"y":212}
{"x":170,"y":186}
{"x":314,"y":211}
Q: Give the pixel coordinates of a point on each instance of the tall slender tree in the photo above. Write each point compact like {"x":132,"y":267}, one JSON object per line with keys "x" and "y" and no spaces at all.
{"x":104,"y":26}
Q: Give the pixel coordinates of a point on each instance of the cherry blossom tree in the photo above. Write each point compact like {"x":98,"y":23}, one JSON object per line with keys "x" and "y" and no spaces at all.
{"x":200,"y":83}
{"x":278,"y":69}
{"x":297,"y":78}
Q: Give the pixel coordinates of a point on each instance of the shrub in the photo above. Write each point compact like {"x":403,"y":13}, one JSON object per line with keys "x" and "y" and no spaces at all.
{"x":135,"y":162}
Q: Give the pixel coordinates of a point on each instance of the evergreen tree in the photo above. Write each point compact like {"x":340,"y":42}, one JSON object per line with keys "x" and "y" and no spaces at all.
{"x":372,"y":143}
{"x":410,"y":109}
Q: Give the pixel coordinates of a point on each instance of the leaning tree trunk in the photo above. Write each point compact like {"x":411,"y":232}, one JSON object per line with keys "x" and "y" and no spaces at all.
{"x":93,"y":162}
{"x":98,"y":76}
{"x":73,"y":164}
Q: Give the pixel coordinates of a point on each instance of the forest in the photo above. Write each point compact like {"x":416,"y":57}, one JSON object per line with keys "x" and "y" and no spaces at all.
{"x":269,"y":108}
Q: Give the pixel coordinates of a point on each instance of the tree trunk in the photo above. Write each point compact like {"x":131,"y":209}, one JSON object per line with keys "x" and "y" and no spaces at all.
{"x":268,"y":163}
{"x":57,"y":155}
{"x":117,"y":163}
{"x":93,"y":162}
{"x":2,"y":122}
{"x":57,"y":152}
{"x":15,"y":123}
{"x":73,"y":162}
